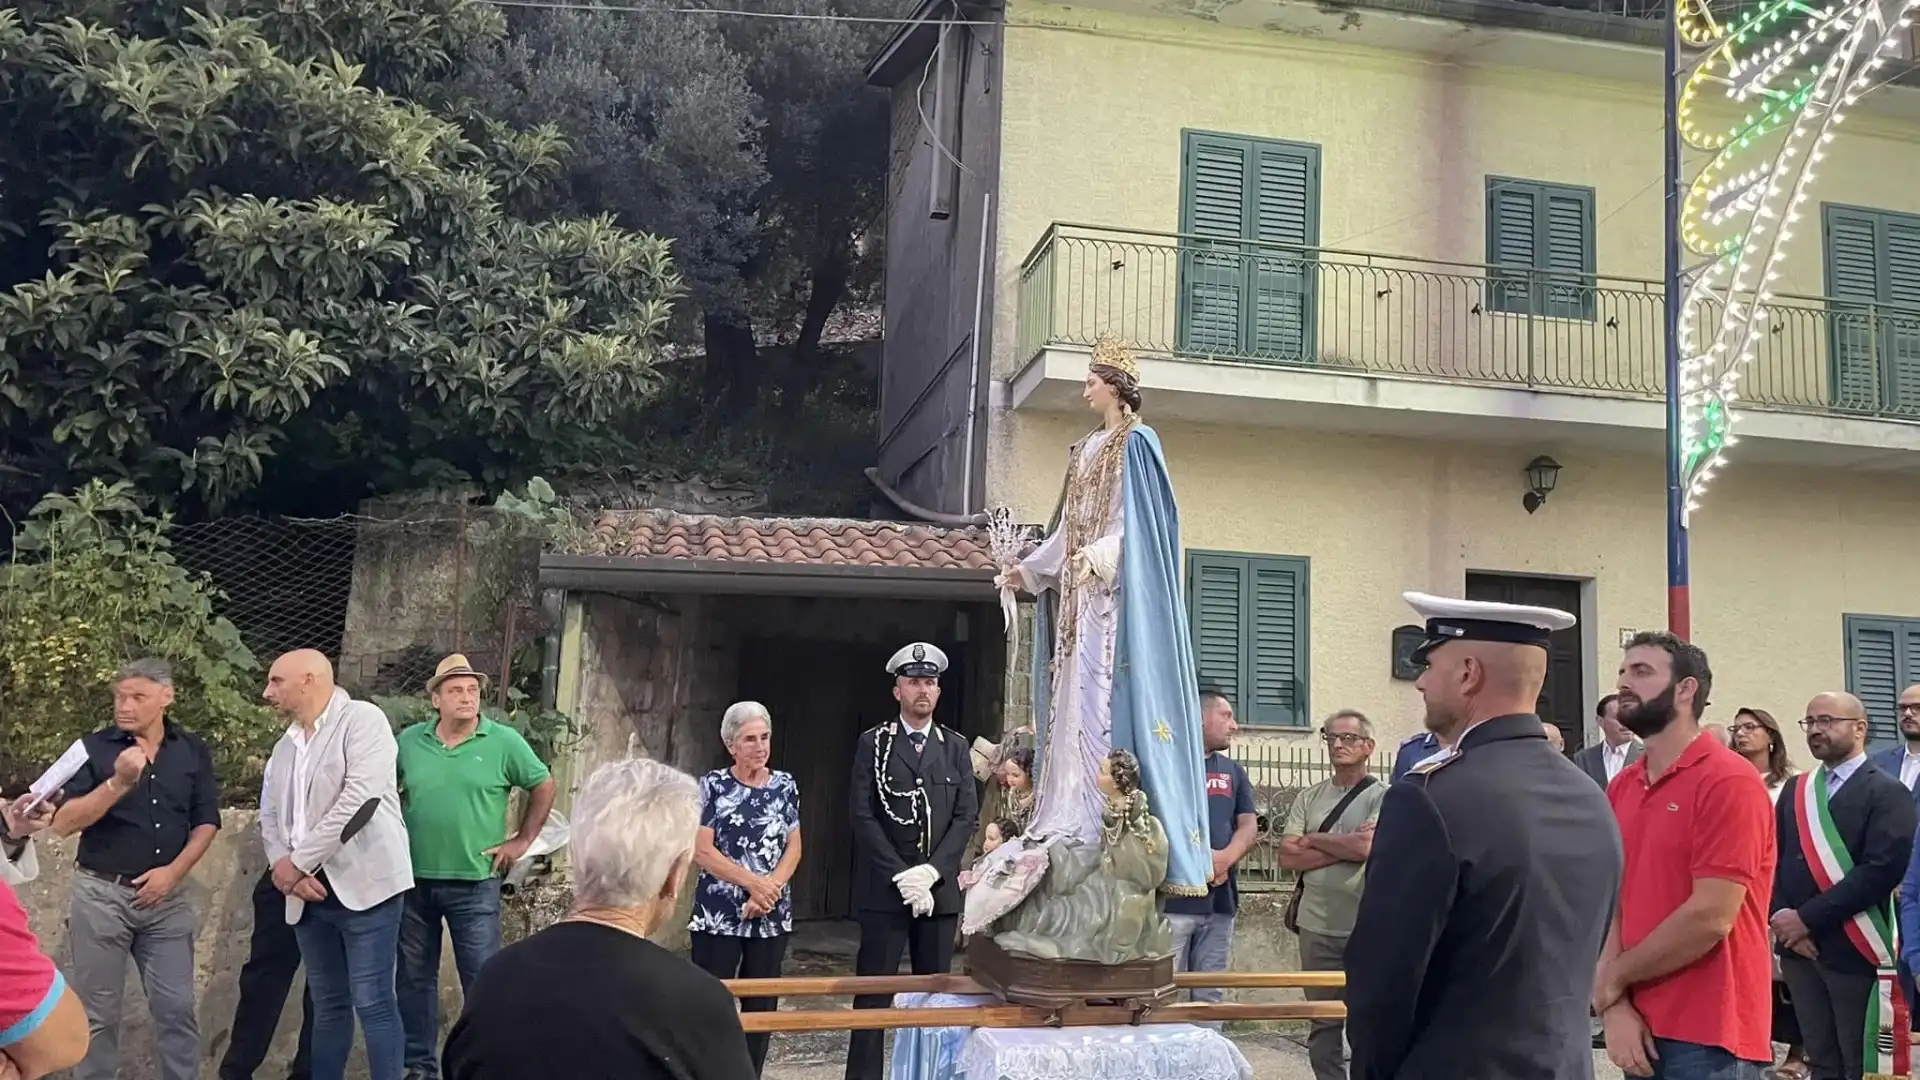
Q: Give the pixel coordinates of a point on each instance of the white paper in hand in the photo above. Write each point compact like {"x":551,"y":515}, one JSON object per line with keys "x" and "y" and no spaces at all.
{"x":55,"y":777}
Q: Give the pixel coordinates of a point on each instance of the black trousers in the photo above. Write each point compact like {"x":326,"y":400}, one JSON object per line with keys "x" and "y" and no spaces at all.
{"x":1832,"y":1009}
{"x":884,"y":935}
{"x":726,"y":956}
{"x":273,"y":958}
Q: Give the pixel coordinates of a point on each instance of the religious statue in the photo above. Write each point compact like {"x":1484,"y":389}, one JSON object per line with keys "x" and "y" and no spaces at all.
{"x":1113,"y":671}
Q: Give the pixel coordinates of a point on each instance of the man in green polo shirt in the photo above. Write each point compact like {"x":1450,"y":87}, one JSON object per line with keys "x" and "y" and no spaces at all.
{"x":455,"y":777}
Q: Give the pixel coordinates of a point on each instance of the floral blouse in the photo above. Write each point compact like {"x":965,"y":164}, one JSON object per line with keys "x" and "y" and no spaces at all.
{"x":750,"y":826}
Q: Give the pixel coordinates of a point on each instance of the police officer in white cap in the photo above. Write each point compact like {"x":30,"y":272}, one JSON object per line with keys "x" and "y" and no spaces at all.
{"x":1492,"y":876}
{"x":914,"y":806}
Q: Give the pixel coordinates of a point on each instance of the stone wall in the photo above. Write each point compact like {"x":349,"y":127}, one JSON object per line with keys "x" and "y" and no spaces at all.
{"x":221,"y":888}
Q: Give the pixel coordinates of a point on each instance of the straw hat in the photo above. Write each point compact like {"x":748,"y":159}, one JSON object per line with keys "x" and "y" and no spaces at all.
{"x":454,"y":666}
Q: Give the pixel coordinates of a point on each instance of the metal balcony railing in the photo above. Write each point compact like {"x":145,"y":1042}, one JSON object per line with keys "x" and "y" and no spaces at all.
{"x":1192,"y":297}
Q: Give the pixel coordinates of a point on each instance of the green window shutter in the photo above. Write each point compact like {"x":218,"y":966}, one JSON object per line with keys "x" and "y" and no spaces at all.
{"x":1282,"y":285}
{"x":1547,"y":228}
{"x":1878,"y":655}
{"x":1567,"y":246}
{"x":1213,"y":204}
{"x":1249,"y":625}
{"x":1853,"y":275}
{"x":1901,"y":327}
{"x":1511,"y":229}
{"x":1237,"y":298}
{"x":1277,"y":653}
{"x":1215,"y":587}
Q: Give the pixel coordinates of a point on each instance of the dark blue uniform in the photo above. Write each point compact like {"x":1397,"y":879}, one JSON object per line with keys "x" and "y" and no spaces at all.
{"x":1490,"y":887}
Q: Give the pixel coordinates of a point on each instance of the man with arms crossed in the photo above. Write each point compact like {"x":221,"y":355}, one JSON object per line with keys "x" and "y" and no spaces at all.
{"x":1685,"y":986}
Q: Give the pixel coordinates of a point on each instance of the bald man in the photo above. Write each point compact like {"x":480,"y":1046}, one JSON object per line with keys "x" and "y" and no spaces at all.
{"x":1833,"y":962}
{"x":1685,"y":981}
{"x":343,"y":895}
{"x":1492,"y":870}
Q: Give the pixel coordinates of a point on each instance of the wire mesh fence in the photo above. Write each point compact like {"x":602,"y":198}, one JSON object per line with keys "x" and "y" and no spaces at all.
{"x":385,"y":598}
{"x":1280,"y":771}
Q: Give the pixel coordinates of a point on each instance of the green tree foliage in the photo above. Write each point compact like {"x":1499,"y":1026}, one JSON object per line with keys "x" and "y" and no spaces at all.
{"x":753,"y":143}
{"x":91,"y":586}
{"x":235,"y":236}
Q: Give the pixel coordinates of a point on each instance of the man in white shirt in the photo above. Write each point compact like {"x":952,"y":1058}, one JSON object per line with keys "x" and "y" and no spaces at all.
{"x":1616,"y":750}
{"x":1903,"y":761}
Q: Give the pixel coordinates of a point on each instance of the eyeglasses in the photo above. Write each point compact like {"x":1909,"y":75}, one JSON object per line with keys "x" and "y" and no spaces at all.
{"x":1342,"y":738}
{"x":1910,"y":707}
{"x":1808,"y":723}
{"x":1745,"y":726}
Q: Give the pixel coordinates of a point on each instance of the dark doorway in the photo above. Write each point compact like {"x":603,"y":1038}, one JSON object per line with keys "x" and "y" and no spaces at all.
{"x":822,"y":695}
{"x":1563,"y":698}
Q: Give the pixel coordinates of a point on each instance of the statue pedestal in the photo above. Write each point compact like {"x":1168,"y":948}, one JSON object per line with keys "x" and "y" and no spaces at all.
{"x":1058,"y":984}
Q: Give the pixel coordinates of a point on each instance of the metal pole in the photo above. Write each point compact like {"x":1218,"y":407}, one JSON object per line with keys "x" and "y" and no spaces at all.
{"x":1679,"y":599}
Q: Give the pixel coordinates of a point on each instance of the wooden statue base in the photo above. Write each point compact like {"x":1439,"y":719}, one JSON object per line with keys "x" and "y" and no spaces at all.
{"x":1061,"y":984}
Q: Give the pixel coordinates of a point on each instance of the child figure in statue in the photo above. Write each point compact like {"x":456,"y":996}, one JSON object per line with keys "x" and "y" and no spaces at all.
{"x":1097,"y":903}
{"x":1110,"y":632}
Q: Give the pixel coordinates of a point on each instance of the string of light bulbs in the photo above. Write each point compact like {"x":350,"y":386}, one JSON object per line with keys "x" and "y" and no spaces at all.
{"x":1795,"y":68}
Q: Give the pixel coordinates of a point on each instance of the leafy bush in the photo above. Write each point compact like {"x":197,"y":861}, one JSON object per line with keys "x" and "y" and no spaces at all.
{"x":93,"y":585}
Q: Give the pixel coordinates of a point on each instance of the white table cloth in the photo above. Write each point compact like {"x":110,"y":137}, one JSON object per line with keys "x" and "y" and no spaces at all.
{"x":1147,"y":1052}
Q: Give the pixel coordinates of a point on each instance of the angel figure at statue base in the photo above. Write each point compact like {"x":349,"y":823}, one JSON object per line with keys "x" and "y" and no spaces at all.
{"x":1113,"y":670}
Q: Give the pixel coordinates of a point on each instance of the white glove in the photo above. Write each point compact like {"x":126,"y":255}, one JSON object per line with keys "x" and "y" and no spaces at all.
{"x":916,"y":887}
{"x":922,"y":904}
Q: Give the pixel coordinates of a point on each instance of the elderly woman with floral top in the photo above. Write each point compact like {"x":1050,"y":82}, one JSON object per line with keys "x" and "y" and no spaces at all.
{"x":748,"y":849}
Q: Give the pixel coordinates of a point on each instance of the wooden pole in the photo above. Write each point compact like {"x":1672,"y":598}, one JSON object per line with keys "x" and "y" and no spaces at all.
{"x":844,"y":985}
{"x":1027,"y":1016}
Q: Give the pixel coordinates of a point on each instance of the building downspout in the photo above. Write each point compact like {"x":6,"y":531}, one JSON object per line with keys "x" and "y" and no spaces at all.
{"x":913,"y":509}
{"x":973,"y":368}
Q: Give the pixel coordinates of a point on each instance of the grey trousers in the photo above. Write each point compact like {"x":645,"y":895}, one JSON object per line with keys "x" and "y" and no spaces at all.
{"x":1325,"y":1052}
{"x":103,"y":930}
{"x":1832,"y":1009}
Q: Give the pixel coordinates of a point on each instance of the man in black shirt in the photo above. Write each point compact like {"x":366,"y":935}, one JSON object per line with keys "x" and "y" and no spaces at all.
{"x":147,"y":806}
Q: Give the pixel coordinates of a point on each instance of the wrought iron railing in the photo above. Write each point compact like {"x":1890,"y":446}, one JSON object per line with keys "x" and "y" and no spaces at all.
{"x":1194,"y":297}
{"x":1280,"y":771}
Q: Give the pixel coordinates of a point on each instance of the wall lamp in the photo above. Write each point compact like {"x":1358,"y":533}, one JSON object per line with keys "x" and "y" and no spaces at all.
{"x":1543,"y":474}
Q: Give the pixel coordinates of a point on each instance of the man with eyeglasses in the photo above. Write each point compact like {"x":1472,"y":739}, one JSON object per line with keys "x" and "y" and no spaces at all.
{"x":1203,"y":925}
{"x":1327,"y":839}
{"x":1845,"y":834}
{"x":1903,"y":760}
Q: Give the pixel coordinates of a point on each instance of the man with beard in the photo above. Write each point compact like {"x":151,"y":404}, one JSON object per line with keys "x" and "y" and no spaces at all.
{"x":1490,"y":875}
{"x":1684,"y":988}
{"x":1846,"y":831}
{"x":1903,"y":760}
{"x":913,"y":811}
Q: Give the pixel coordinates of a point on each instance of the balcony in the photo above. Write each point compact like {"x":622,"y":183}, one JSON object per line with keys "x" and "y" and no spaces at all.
{"x":1243,"y":332}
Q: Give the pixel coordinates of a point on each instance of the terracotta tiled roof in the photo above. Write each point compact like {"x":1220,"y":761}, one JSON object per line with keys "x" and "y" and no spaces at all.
{"x":822,"y":541}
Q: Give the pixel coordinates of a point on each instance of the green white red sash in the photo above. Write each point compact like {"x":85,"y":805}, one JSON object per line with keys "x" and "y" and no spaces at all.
{"x":1872,"y":931}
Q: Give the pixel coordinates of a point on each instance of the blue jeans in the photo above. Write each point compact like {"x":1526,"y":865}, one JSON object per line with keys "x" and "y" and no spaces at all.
{"x":350,"y":958}
{"x":471,"y":911}
{"x":1202,"y":943}
{"x":1692,"y":1061}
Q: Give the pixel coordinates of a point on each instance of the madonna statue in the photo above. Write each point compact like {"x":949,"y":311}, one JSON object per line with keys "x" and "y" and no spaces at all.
{"x":1113,"y":664}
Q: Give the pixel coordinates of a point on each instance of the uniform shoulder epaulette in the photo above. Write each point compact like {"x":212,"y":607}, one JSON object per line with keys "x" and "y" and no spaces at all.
{"x":1414,"y":738}
{"x":1434,"y":764}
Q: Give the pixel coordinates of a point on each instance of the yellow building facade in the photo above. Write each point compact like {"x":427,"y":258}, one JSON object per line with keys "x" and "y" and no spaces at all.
{"x":1349,"y":390}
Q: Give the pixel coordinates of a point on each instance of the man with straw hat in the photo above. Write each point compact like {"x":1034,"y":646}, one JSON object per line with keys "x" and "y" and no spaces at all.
{"x":456,"y":775}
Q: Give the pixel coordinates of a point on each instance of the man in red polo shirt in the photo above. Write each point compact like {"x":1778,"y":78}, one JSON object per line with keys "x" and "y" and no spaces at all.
{"x":1685,"y":980}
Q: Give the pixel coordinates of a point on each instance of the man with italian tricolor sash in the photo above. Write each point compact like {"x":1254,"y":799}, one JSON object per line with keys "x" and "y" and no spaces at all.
{"x":1846,"y":833}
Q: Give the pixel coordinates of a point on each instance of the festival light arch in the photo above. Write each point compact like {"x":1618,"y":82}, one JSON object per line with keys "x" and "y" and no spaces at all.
{"x":1795,"y":67}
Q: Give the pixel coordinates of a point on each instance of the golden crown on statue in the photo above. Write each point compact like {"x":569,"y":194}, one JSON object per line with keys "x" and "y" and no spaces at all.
{"x":1110,"y":351}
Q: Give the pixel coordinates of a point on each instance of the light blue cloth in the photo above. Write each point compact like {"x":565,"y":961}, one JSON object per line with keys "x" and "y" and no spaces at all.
{"x":931,"y":1053}
{"x":1155,"y":683}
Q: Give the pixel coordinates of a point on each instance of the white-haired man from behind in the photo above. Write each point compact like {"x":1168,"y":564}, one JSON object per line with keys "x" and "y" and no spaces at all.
{"x":575,"y":983}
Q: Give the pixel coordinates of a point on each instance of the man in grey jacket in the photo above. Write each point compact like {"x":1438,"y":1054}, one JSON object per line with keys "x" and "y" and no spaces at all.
{"x":344,"y":898}
{"x":1616,"y":749}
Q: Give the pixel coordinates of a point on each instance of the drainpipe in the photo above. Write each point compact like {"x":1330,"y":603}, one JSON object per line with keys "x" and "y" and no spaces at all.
{"x":915,"y":510}
{"x":973,"y":368}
